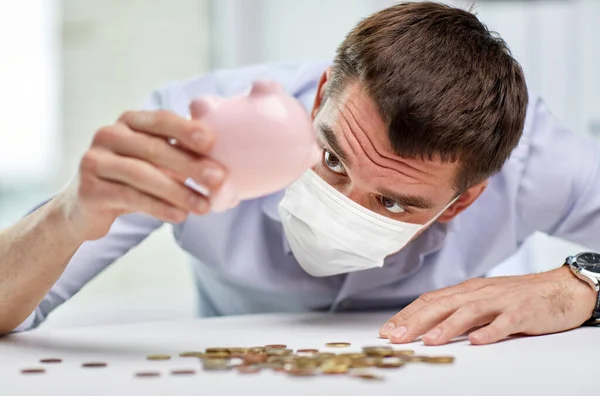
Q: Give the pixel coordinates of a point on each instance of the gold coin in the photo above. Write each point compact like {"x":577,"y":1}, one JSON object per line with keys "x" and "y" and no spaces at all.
{"x":158,"y":357}
{"x":256,"y":350}
{"x":325,"y":355}
{"x":295,"y":372}
{"x":331,"y":366}
{"x":53,"y":360}
{"x":211,"y":350}
{"x":247,"y":369}
{"x":365,"y":362}
{"x":414,"y":358}
{"x":368,"y":376}
{"x":216,"y":355}
{"x":215,"y":364}
{"x":440,"y":359}
{"x":238,"y":352}
{"x":183,"y":372}
{"x":307,"y":351}
{"x":337,"y":344}
{"x":390,"y":363}
{"x":147,"y":374}
{"x":403,"y":352}
{"x":279,"y":352}
{"x":352,"y":355}
{"x":33,"y":371}
{"x":192,"y":354}
{"x":94,"y":365}
{"x":276,"y":346}
{"x":380,"y":351}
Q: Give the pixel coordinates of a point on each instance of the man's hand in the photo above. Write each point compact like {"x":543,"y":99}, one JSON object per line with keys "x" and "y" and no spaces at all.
{"x":131,"y":167}
{"x":537,"y":304}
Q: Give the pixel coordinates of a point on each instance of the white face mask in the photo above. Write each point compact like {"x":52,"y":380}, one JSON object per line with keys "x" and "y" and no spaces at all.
{"x":330,"y":234}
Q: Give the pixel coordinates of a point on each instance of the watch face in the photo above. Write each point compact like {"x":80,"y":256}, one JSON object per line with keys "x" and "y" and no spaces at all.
{"x":590,"y":261}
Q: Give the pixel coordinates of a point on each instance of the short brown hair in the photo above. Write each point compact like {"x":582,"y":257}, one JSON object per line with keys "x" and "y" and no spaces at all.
{"x":445,"y":86}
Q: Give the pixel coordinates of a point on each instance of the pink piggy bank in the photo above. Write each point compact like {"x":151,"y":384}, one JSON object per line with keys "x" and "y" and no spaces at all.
{"x":264,"y":138}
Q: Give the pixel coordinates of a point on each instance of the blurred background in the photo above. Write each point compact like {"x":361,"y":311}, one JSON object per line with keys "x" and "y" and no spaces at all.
{"x":71,"y":66}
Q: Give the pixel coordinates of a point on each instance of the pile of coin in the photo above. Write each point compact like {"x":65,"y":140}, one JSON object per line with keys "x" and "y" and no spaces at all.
{"x":310,"y":362}
{"x":279,"y":358}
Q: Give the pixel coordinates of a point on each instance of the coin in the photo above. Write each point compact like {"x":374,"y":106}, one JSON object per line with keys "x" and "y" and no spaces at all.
{"x":215,"y":364}
{"x":337,"y":344}
{"x":147,"y":374}
{"x":305,"y":352}
{"x":248,"y":369}
{"x":414,"y":359}
{"x":381,"y":351}
{"x":183,"y":372}
{"x":238,"y":352}
{"x":94,"y":364}
{"x":158,"y":357}
{"x":53,"y":360}
{"x":352,"y":355}
{"x":367,"y":376}
{"x":33,"y":371}
{"x":440,"y":359}
{"x":192,"y":354}
{"x":325,"y":355}
{"x":211,"y":350}
{"x":256,"y":350}
{"x":390,"y":363}
{"x":276,"y":346}
{"x":403,"y":352}
{"x":216,"y":355}
{"x":252,"y":358}
{"x":365,"y":362}
{"x":296,"y":372}
{"x":279,"y":352}
{"x":332,"y":366}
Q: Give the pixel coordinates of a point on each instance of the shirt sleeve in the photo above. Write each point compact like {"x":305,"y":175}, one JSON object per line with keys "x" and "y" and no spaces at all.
{"x":559,"y":193}
{"x":94,"y":256}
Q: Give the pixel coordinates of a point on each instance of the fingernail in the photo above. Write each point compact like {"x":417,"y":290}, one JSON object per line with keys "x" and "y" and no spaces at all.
{"x":433,"y":334}
{"x":385,"y":330}
{"x":213,"y":175}
{"x":399,"y":332}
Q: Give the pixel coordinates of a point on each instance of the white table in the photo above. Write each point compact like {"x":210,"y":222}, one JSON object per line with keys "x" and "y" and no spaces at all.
{"x":560,"y":364}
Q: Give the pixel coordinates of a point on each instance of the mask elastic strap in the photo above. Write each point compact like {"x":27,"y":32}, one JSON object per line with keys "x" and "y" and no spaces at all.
{"x":430,"y":222}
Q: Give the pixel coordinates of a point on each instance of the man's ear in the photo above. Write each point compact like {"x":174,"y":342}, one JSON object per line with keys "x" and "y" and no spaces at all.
{"x":321,"y":92}
{"x":462,"y":203}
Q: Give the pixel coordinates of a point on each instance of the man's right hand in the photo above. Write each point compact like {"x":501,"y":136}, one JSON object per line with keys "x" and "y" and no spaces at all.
{"x":131,"y":167}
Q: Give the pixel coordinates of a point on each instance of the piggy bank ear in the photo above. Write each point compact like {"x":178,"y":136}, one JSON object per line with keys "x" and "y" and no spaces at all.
{"x":266,"y":87}
{"x":202,"y":106}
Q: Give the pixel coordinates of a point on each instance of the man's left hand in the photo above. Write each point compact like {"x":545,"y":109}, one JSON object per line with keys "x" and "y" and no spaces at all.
{"x":537,"y":304}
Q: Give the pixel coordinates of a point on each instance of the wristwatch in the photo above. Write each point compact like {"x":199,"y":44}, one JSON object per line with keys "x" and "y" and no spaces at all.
{"x":586,"y":266}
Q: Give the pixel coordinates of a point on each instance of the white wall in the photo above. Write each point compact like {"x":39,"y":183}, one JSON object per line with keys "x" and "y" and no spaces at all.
{"x":115,"y":52}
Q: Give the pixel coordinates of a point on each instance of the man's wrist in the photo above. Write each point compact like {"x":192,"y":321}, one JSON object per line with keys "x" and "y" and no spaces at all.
{"x":584,"y":294}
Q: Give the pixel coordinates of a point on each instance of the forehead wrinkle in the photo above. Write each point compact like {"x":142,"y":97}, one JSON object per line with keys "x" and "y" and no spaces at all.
{"x":374,"y":148}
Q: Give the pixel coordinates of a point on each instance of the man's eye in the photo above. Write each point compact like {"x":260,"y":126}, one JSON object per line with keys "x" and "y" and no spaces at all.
{"x":391,"y":205}
{"x":333,"y":163}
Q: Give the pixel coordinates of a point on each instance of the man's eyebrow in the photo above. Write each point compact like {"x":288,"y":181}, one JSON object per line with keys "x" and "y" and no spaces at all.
{"x":327,"y":134}
{"x":413,"y":201}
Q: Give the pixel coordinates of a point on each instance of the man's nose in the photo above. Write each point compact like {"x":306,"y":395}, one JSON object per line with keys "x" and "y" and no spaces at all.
{"x":357,"y":196}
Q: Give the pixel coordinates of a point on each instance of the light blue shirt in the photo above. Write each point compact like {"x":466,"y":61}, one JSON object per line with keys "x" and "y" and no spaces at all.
{"x":243,"y":264}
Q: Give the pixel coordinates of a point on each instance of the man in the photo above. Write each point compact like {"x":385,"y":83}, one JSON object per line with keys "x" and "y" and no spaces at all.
{"x":430,"y":177}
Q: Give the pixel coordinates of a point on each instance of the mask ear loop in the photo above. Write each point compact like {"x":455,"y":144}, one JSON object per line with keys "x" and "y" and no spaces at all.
{"x":430,"y":222}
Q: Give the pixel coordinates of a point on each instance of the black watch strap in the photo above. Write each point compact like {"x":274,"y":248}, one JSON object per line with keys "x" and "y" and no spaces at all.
{"x":595,"y":319}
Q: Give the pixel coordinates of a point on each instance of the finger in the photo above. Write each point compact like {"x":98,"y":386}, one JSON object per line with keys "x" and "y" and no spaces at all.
{"x":506,"y":324}
{"x":166,"y":125}
{"x":471,"y":315}
{"x":180,"y":164}
{"x":131,"y":200}
{"x":144,"y":177}
{"x":429,"y":316}
{"x":425,"y":299}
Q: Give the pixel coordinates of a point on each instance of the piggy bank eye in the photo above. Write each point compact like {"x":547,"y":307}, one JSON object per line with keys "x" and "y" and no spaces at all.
{"x":333,"y":162}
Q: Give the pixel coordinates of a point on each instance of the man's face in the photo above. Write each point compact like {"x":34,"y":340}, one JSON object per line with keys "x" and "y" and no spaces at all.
{"x":359,"y":162}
